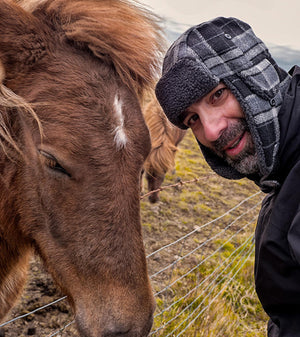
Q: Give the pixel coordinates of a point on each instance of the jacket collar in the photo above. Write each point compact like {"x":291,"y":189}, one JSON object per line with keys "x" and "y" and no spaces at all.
{"x":289,"y":121}
{"x":289,"y":149}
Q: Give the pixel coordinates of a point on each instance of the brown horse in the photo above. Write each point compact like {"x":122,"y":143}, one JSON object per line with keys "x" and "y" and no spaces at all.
{"x":164,"y":140}
{"x":73,"y":142}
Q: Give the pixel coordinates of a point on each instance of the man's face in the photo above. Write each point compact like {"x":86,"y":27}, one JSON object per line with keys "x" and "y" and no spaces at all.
{"x":218,"y":122}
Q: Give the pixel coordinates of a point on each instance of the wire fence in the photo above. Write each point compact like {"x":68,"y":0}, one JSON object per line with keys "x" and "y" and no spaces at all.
{"x":191,"y":273}
{"x":196,"y":270}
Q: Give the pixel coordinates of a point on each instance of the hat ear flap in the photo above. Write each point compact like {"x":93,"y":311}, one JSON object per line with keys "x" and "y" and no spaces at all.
{"x":262,"y":79}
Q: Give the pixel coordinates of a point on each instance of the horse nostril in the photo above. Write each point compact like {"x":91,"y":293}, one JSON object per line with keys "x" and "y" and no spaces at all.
{"x":129,"y":329}
{"x":119,"y":331}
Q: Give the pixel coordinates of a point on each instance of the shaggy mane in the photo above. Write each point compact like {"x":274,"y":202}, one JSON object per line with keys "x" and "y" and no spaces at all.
{"x":8,"y":101}
{"x":116,"y":31}
{"x":163,"y":138}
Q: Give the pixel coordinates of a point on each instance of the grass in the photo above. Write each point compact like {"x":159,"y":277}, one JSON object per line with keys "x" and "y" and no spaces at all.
{"x":216,"y":298}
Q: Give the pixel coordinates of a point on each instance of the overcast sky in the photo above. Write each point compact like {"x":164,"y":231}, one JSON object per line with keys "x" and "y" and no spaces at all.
{"x":274,"y":21}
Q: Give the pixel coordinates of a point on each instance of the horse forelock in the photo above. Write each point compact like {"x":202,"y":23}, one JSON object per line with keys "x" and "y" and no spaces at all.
{"x":10,"y":101}
{"x":119,"y":32}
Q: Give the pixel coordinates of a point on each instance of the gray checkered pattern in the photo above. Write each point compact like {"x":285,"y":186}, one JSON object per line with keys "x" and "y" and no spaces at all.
{"x":226,"y":49}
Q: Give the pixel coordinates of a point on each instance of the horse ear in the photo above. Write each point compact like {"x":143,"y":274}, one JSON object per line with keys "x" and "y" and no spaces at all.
{"x":21,"y":40}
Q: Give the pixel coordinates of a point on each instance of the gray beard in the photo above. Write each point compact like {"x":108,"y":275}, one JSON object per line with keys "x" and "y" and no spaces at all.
{"x":246,"y":165}
{"x":245,"y":162}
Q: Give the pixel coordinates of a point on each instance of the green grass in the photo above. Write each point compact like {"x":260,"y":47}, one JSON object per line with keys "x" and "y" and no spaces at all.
{"x":235,"y":309}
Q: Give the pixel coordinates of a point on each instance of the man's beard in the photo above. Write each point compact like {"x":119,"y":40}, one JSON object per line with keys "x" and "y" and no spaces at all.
{"x":246,"y":162}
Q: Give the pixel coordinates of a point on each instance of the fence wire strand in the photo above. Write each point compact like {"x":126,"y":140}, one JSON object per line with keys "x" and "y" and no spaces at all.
{"x":62,"y":329}
{"x":179,"y":271}
{"x":211,"y":286}
{"x":33,"y":311}
{"x":203,"y":226}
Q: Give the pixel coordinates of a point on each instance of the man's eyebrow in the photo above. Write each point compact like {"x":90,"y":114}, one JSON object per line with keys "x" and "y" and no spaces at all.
{"x":183,"y":115}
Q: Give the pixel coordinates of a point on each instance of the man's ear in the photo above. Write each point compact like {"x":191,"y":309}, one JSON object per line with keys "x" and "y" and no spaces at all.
{"x":21,"y":39}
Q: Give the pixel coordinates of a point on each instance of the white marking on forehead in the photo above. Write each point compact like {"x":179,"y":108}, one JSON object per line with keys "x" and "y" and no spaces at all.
{"x":120,"y":135}
{"x":30,"y":5}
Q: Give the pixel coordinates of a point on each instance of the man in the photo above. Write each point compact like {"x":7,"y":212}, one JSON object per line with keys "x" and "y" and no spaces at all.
{"x":220,"y":80}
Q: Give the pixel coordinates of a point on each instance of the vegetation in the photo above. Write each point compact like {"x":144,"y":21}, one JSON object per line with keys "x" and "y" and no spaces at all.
{"x":216,"y":297}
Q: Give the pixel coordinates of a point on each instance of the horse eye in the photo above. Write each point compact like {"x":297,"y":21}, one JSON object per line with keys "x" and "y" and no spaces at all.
{"x":52,"y":163}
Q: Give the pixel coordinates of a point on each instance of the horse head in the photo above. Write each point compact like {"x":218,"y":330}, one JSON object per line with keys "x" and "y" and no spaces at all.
{"x":73,"y":142}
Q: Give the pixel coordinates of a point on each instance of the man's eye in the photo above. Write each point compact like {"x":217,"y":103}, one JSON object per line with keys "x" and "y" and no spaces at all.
{"x":217,"y":95}
{"x":192,"y":120}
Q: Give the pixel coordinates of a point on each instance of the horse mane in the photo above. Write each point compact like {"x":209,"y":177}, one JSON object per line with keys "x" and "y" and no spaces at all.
{"x":9,"y":101}
{"x":119,"y":32}
{"x":164,"y":137}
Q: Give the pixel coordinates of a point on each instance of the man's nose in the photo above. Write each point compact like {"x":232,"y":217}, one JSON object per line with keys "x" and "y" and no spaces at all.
{"x":213,"y":126}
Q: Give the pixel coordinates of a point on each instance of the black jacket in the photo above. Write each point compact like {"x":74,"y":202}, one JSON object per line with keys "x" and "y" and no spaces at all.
{"x":277,"y":260}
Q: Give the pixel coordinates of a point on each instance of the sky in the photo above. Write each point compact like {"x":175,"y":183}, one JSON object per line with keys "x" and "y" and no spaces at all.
{"x":274,"y":21}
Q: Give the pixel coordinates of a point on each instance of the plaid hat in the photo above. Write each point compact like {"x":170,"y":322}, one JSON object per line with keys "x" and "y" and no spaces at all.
{"x":227,"y":50}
